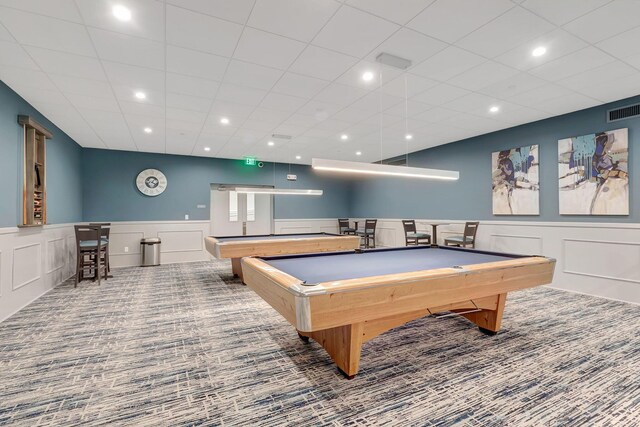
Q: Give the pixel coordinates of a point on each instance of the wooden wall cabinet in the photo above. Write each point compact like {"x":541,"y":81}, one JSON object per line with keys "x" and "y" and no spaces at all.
{"x":34,"y":193}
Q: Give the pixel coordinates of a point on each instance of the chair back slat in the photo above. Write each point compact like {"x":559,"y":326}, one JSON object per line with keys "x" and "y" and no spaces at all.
{"x":409,"y":226}
{"x":470,"y":230}
{"x":343,"y":223}
{"x":106,"y":228}
{"x":87,"y":232}
{"x":370,"y":225}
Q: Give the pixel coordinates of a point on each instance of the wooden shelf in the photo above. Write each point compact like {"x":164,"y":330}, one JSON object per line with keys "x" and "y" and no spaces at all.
{"x":34,"y":197}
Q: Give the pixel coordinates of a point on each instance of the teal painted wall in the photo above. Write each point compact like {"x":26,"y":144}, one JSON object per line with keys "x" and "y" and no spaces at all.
{"x":110,"y":193}
{"x":64,"y":180}
{"x":470,"y":196}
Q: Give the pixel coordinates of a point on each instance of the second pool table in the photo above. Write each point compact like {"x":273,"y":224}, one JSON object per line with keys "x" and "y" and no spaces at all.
{"x":236,"y":247}
{"x":341,"y":300}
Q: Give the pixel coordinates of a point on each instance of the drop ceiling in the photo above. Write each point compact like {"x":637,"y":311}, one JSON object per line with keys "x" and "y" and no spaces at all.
{"x":294,"y":67}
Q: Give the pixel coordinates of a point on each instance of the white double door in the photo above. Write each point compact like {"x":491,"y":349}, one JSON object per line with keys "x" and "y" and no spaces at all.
{"x":240,"y":214}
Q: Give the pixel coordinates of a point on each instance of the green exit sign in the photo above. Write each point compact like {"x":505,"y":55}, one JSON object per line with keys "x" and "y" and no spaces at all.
{"x":250,"y":161}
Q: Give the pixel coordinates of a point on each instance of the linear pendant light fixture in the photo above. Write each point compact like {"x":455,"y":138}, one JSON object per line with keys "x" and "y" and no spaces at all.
{"x":279,"y":191}
{"x":382,"y":169}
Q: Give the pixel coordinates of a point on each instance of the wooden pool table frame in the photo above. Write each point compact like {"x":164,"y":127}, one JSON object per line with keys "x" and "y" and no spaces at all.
{"x":236,"y":249}
{"x":344,"y":314}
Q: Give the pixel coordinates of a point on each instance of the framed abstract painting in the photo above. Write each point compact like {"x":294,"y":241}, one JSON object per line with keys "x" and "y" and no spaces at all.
{"x":593,"y":174}
{"x":516,"y":181}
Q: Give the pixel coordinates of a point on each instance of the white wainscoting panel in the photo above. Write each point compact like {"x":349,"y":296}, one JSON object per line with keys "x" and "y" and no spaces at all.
{"x":27,"y":263}
{"x":526,"y":245}
{"x":602,"y":259}
{"x":182,"y":241}
{"x":32,"y":262}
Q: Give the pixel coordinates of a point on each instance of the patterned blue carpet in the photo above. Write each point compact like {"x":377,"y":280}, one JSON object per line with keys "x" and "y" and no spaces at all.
{"x":186,"y":344}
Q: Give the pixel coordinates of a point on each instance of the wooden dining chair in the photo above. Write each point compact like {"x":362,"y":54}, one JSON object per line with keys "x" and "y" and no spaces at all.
{"x":468,"y":237}
{"x":106,"y":231}
{"x":369,"y":233}
{"x":344,"y":228}
{"x":411,"y":235}
{"x":90,"y":252}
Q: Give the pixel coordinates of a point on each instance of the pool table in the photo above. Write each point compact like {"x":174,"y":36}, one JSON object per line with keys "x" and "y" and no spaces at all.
{"x":344,"y":299}
{"x":236,"y":247}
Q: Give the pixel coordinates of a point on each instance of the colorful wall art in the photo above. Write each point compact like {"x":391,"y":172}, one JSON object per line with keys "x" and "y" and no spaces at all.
{"x":516,"y":182}
{"x":593,"y":174}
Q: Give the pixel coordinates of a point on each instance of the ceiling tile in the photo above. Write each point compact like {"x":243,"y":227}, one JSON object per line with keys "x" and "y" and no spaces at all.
{"x":561,"y":12}
{"x":622,"y":15}
{"x":141,"y":108}
{"x":440,"y":94}
{"x":571,"y":64}
{"x":232,"y":10}
{"x":381,"y":74}
{"x":518,"y":83}
{"x":322,"y":63}
{"x":240,"y":94}
{"x":79,"y":86}
{"x":301,"y":86}
{"x":483,"y":75}
{"x":337,"y":93}
{"x":297,"y":19}
{"x":5,"y":35}
{"x":408,"y":85}
{"x":267,"y":49}
{"x":621,"y":85}
{"x":541,"y":96}
{"x":130,"y":79}
{"x":410,"y":45}
{"x":251,"y":75}
{"x":354,"y":32}
{"x":196,"y":64}
{"x":24,"y":77}
{"x":504,"y":33}
{"x":14,"y":55}
{"x":623,"y":45}
{"x":320,"y":110}
{"x":147,"y":17}
{"x":277,"y":101}
{"x":61,"y":9}
{"x":194,"y":86}
{"x":597,"y":76}
{"x":436,"y":20}
{"x":398,"y":11}
{"x":448,"y":63}
{"x":97,"y":103}
{"x":569,"y":103}
{"x":188,"y":102}
{"x":67,"y":64}
{"x":408,"y":109}
{"x":128,"y":49}
{"x":201,"y":32}
{"x":558,"y":43}
{"x":234,"y":111}
{"x":41,"y":31}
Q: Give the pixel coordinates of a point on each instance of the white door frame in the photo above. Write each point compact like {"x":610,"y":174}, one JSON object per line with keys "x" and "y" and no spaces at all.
{"x":230,"y":187}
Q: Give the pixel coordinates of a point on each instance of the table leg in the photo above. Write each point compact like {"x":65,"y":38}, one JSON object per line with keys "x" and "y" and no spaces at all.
{"x":236,"y":267}
{"x":343,"y":343}
{"x":434,"y":236}
{"x":489,"y":320}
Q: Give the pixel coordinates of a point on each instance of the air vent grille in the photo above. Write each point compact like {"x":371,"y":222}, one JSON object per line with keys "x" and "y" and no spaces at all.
{"x":623,"y":113}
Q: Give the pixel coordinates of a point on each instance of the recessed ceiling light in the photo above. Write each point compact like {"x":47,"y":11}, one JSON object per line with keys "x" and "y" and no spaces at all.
{"x":140,"y":95}
{"x":539,"y":51}
{"x":494,"y":109}
{"x":358,"y":153}
{"x":298,"y":157}
{"x":121,"y":13}
{"x":408,"y":137}
{"x":270,"y":143}
{"x":224,"y":121}
{"x":344,"y":137}
{"x":367,"y":76}
{"x":148,"y":130}
{"x":207,"y":149}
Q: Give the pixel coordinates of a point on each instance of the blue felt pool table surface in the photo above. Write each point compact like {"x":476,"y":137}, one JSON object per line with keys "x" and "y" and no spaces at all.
{"x":275,"y":237}
{"x":329,"y":267}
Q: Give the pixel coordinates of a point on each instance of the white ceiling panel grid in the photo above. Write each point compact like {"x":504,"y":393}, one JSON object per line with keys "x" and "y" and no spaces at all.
{"x":179,"y":67}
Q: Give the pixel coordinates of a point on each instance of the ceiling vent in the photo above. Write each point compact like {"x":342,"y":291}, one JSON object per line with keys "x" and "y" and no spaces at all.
{"x":623,"y":113}
{"x":280,"y":136}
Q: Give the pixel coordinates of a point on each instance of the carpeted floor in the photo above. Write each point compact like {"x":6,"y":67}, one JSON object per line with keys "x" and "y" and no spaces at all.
{"x":186,"y":344}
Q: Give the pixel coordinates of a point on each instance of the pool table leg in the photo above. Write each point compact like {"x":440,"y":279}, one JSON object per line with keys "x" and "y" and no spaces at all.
{"x":236,"y":267}
{"x":489,"y":321}
{"x":343,"y":344}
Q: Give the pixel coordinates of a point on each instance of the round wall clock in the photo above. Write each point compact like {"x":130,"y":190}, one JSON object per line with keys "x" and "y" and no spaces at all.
{"x":151,"y":182}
